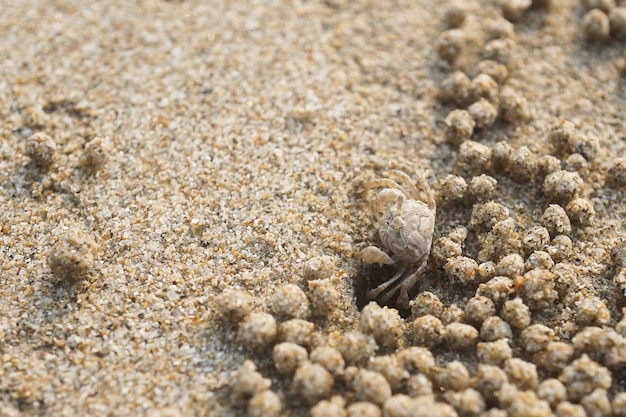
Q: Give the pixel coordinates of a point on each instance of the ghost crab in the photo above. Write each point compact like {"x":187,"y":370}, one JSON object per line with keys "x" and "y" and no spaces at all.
{"x":406,"y":220}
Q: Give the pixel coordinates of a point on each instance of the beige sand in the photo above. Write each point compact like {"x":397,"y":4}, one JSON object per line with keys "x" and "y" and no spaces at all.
{"x":239,"y":135}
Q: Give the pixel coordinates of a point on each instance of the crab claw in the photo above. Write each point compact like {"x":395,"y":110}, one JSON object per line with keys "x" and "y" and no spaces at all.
{"x":373,"y":255}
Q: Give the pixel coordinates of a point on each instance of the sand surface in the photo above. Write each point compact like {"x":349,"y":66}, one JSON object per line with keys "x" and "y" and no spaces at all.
{"x":238,"y":138}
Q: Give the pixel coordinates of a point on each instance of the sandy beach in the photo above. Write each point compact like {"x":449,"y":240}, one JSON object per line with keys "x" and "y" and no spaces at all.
{"x":184,"y":207}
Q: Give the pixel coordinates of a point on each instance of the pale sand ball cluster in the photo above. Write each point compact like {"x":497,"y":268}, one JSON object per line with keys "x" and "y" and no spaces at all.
{"x":603,"y":20}
{"x":73,"y":255}
{"x":41,"y":149}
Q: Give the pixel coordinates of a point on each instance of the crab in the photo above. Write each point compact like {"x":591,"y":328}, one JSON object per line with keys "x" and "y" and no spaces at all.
{"x":406,"y":220}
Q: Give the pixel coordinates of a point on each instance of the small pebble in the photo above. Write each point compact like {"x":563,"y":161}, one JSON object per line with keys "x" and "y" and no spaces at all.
{"x":73,"y":255}
{"x":483,"y":112}
{"x":583,"y":376}
{"x":485,"y":216}
{"x":96,"y":153}
{"x":296,"y":331}
{"x":497,"y":289}
{"x":536,"y":337}
{"x":287,"y":357}
{"x":617,"y":22}
{"x":370,"y":386}
{"x":257,"y":330}
{"x":451,"y":189}
{"x":553,"y":391}
{"x":538,"y":289}
{"x":41,"y":149}
{"x":427,"y":331}
{"x":520,"y":403}
{"x":330,"y":358}
{"x":494,"y":353}
{"x":385,"y":324}
{"x":444,"y":249}
{"x":461,"y":269}
{"x":560,"y":249}
{"x":473,"y":157}
{"x":569,"y":140}
{"x":591,"y":310}
{"x":604,"y":5}
{"x":514,"y":107}
{"x":502,"y":50}
{"x":562,"y":185}
{"x":324,"y":297}
{"x":246,"y":382}
{"x":556,"y":221}
{"x":523,"y":164}
{"x":234,"y":305}
{"x":364,"y":409}
{"x":514,"y":9}
{"x":510,"y":266}
{"x":602,"y":344}
{"x":312,"y":382}
{"x":467,"y":402}
{"x":489,"y":380}
{"x":265,"y":404}
{"x":486,"y":271}
{"x":567,"y":409}
{"x":458,"y":234}
{"x":417,"y":359}
{"x":494,"y":328}
{"x":356,"y":347}
{"x":493,"y":69}
{"x":597,"y":404}
{"x":503,"y":239}
{"x":482,"y":188}
{"x":450,"y":44}
{"x":595,"y":26}
{"x":577,"y":162}
{"x":460,"y":336}
{"x":616,"y":174}
{"x":516,"y":313}
{"x":483,"y":86}
{"x":459,"y":126}
{"x":619,"y":404}
{"x":318,"y":267}
{"x":539,"y":260}
{"x":536,"y":238}
{"x":456,"y":89}
{"x":498,"y":27}
{"x":419,"y":384}
{"x":392,"y":369}
{"x":456,"y":12}
{"x":478,"y":309}
{"x":452,"y":314}
{"x":581,"y":211}
{"x":453,"y":376}
{"x":555,"y":356}
{"x":426,"y":303}
{"x":522,"y":373}
{"x":547,"y":164}
{"x":501,"y":155}
{"x":332,"y":408}
{"x":290,"y":301}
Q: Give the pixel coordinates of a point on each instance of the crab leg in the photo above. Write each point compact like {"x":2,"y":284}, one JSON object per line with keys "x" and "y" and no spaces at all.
{"x":372,"y":294}
{"x":408,"y":283}
{"x":420,"y":192}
